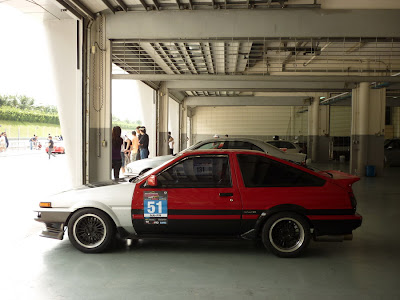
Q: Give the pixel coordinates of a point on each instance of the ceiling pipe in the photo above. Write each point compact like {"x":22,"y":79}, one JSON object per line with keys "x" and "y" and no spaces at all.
{"x":315,"y":55}
{"x":347,"y":95}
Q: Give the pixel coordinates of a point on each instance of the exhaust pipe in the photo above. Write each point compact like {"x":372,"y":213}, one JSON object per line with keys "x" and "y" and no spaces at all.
{"x":333,"y":238}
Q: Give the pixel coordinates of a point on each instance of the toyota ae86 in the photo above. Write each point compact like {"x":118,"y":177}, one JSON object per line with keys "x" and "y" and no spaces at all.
{"x":210,"y":194}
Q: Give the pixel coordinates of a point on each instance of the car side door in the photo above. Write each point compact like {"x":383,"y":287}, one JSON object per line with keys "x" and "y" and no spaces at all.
{"x":197,"y":195}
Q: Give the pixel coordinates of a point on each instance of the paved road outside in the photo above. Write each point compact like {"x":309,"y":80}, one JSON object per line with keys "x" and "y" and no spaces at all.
{"x":27,"y":177}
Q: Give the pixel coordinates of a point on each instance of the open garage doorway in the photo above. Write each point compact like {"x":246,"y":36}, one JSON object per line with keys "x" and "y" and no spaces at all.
{"x":133,"y":104}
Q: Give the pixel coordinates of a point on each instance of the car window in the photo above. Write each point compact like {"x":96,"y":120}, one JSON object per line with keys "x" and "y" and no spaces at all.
{"x":274,"y":143}
{"x":287,"y":145}
{"x":214,"y":145}
{"x":260,"y":171}
{"x":241,"y":145}
{"x":197,"y":172}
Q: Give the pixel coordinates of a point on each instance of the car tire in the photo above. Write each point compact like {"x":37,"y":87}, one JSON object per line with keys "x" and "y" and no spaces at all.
{"x":91,"y":230}
{"x":286,"y":234}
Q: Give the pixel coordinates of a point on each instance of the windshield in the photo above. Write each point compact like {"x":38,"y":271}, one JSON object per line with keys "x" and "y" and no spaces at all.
{"x":187,"y":149}
{"x":140,"y":177}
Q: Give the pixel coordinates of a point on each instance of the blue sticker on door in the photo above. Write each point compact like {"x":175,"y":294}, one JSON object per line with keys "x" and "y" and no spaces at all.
{"x":155,"y":207}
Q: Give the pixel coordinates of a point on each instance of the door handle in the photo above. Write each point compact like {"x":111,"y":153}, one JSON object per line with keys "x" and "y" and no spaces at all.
{"x":225,"y":194}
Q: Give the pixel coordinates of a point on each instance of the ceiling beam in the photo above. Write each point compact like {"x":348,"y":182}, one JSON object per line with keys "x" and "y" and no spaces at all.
{"x":122,"y":4}
{"x":240,"y":23}
{"x":144,"y":4}
{"x":179,"y":4}
{"x":266,"y":78}
{"x":84,"y":9}
{"x":108,"y":4}
{"x":259,"y":86}
{"x":72,"y":9}
{"x":153,"y":53}
{"x":156,"y":4}
{"x":246,"y":101}
{"x":177,"y":96}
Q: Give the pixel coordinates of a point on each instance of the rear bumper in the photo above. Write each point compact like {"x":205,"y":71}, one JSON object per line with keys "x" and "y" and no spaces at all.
{"x":335,"y":225}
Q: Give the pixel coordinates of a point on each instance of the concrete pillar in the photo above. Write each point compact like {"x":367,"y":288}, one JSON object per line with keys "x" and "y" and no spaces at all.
{"x":98,"y":105}
{"x":162,"y":124}
{"x":68,"y":67}
{"x":368,"y":128}
{"x":318,"y":138}
{"x":183,"y":125}
{"x":292,"y":133}
{"x":396,"y":122}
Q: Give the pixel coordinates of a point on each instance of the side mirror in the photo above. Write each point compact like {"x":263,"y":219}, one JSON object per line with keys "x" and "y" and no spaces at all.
{"x":152,"y":181}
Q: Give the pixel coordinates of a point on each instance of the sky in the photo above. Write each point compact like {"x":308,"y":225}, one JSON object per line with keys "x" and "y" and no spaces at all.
{"x":25,"y":67}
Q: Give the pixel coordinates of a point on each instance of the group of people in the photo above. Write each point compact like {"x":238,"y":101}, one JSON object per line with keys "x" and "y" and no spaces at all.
{"x":125,"y":150}
{"x":3,"y":142}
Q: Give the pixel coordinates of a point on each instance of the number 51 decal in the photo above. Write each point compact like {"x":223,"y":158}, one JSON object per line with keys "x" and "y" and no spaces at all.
{"x":155,"y":204}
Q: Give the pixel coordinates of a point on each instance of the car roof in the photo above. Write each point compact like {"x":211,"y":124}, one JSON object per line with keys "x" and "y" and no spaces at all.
{"x":223,"y":151}
{"x":230,"y":139}
{"x":256,"y":142}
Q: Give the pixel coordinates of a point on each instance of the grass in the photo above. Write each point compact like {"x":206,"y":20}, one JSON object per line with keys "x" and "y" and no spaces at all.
{"x":24,"y":130}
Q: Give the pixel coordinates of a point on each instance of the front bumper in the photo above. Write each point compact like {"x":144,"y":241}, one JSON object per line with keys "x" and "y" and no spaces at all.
{"x":54,"y":221}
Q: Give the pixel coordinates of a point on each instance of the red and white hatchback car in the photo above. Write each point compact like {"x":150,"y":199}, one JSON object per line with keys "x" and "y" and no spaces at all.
{"x":210,"y":193}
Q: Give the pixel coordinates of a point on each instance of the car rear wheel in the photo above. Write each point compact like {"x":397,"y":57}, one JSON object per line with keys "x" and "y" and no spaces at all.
{"x":286,"y":234}
{"x":91,"y":230}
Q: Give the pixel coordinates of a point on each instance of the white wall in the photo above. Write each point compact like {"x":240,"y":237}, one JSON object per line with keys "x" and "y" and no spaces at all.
{"x":340,"y":121}
{"x":252,"y":121}
{"x":301,"y":122}
{"x":173,"y":122}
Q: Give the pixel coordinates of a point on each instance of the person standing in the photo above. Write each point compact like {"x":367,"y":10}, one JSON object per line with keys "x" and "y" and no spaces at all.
{"x":127,"y":152}
{"x":7,"y":143}
{"x":32,"y":142}
{"x":170,"y":143}
{"x":117,"y":145}
{"x":144,"y":144}
{"x":51,"y":147}
{"x":134,"y":146}
{"x":139,"y":136}
{"x":2,"y":142}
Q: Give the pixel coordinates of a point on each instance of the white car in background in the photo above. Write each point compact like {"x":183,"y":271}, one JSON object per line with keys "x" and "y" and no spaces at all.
{"x":286,"y":146}
{"x":139,"y":167}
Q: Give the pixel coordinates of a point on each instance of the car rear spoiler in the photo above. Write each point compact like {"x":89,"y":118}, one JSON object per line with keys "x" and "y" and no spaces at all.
{"x":343,"y":179}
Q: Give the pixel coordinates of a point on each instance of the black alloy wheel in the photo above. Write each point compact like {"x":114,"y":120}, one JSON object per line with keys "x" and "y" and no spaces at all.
{"x":286,"y":234}
{"x":91,"y":230}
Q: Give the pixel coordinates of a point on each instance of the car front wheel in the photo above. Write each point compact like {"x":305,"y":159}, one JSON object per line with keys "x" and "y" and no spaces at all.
{"x":91,"y":230}
{"x":286,"y":234}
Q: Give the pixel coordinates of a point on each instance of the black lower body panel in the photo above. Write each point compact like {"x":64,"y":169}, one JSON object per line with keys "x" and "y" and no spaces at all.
{"x":335,"y":227}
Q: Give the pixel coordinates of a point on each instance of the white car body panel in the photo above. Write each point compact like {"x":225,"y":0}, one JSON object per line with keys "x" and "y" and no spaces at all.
{"x":115,"y":200}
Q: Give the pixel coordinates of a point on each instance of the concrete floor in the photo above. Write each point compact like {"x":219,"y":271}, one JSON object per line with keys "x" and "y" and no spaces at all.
{"x":33,"y":267}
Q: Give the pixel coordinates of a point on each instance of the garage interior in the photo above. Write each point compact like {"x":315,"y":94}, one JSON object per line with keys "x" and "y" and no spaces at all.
{"x":322,"y":73}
